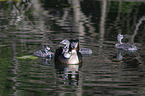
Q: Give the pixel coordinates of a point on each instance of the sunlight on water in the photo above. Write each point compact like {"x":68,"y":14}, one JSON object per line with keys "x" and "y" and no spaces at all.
{"x":28,"y":26}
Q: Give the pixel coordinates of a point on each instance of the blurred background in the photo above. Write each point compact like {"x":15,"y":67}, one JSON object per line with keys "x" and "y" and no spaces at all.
{"x":29,"y":25}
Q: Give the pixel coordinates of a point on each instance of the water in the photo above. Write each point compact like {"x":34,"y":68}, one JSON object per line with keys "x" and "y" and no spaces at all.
{"x":28,"y":26}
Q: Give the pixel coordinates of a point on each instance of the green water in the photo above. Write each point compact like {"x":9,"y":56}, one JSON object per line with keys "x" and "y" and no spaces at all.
{"x":27,"y":26}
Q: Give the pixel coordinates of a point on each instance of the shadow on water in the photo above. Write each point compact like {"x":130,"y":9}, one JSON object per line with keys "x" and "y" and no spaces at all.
{"x":29,"y":25}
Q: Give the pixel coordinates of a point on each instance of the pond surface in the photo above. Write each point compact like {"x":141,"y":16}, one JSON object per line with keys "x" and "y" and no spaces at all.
{"x":27,"y":26}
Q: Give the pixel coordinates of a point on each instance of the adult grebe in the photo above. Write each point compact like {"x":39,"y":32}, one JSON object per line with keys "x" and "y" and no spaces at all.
{"x":69,"y":55}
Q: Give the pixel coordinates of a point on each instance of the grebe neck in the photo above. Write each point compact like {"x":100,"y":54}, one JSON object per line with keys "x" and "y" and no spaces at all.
{"x":119,"y":41}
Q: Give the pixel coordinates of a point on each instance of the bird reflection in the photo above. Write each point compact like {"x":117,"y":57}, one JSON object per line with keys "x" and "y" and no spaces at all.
{"x":69,"y":72}
{"x":130,"y":59}
{"x":119,"y":56}
{"x":119,"y":53}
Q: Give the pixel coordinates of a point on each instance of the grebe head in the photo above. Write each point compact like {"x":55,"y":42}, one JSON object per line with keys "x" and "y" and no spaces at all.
{"x":119,"y":38}
{"x":47,"y":49}
{"x":65,"y":41}
{"x":74,"y":45}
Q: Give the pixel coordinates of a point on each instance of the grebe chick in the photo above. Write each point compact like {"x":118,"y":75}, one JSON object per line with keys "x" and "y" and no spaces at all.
{"x":44,"y":53}
{"x":124,"y":46}
{"x":66,"y":42}
{"x":66,"y":53}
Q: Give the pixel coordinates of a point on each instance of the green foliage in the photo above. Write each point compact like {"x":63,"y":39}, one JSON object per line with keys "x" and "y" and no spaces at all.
{"x":27,"y":57}
{"x":125,"y":6}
